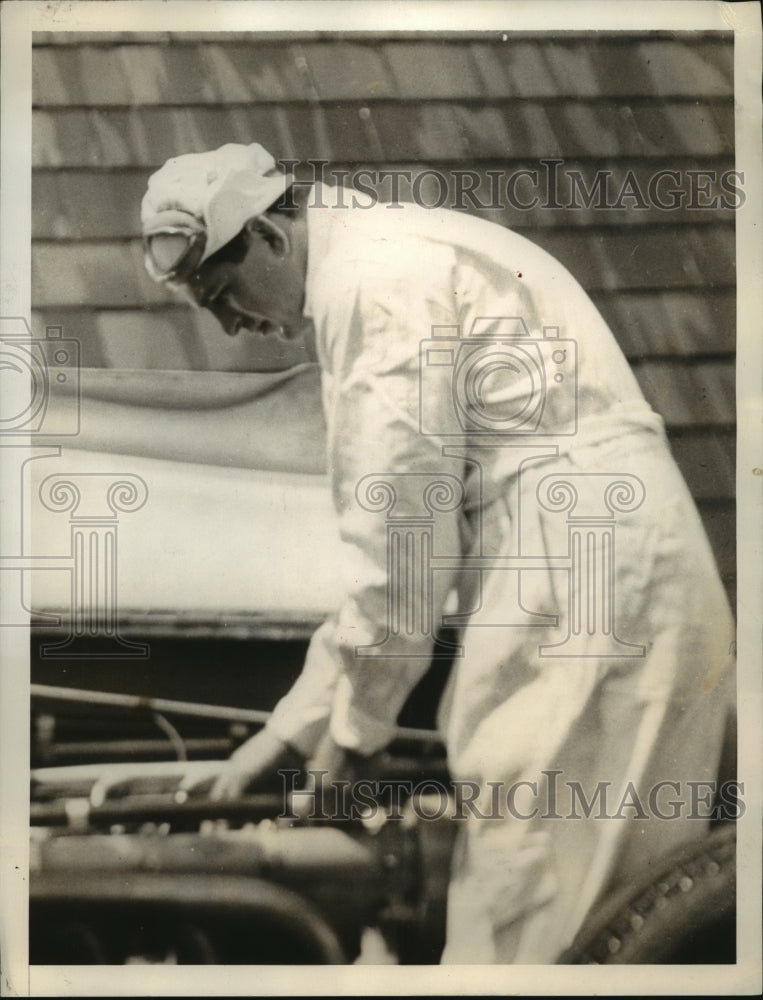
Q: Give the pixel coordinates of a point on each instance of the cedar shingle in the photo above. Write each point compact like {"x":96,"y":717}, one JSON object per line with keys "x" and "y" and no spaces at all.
{"x":687,"y":394}
{"x":487,"y":132}
{"x":659,"y":257}
{"x":347,"y":70}
{"x":594,"y":67}
{"x":688,"y":69}
{"x":719,"y":519}
{"x":640,"y":128}
{"x":707,"y":460}
{"x":80,"y":325}
{"x":671,"y":322}
{"x":662,"y":281}
{"x":531,"y":70}
{"x":490,"y":64}
{"x":225,"y":77}
{"x":661,"y":68}
{"x":347,"y":135}
{"x":706,"y":130}
{"x":578,"y":70}
{"x":450,"y":71}
{"x":81,"y":138}
{"x":583,"y":127}
{"x":143,"y":136}
{"x":152,"y":70}
{"x":269,"y":70}
{"x":427,"y":131}
{"x":713,"y":248}
{"x":211,"y":74}
{"x":46,"y":151}
{"x":94,"y":275}
{"x":534,"y":68}
{"x":113,"y":138}
{"x":91,"y":203}
{"x":51,"y":76}
{"x":87,"y":204}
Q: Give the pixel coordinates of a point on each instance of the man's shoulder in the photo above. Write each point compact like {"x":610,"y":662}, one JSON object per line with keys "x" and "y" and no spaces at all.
{"x":381,"y":243}
{"x":378,"y":250}
{"x":351,"y":217}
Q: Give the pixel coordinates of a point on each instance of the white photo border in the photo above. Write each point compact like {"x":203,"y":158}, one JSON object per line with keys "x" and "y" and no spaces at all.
{"x":19,"y":20}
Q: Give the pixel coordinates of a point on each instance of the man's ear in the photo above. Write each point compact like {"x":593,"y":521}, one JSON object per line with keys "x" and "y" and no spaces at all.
{"x":275,"y":235}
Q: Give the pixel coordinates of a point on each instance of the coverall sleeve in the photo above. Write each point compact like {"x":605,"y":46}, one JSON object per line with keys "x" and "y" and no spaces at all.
{"x":365,"y":660}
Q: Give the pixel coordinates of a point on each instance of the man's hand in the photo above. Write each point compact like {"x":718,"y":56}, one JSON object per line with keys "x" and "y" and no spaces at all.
{"x":330,"y":765}
{"x":256,"y":760}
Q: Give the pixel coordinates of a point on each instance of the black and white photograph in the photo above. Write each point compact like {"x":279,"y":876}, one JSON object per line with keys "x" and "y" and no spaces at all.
{"x":380,"y":551}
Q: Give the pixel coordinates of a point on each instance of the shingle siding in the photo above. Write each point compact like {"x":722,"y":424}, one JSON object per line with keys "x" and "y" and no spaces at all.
{"x":109,"y":109}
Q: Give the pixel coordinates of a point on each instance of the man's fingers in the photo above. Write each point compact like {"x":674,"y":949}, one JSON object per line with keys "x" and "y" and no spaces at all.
{"x":197,"y":783}
{"x":255,"y":761}
{"x":229,"y":784}
{"x":202,"y":785}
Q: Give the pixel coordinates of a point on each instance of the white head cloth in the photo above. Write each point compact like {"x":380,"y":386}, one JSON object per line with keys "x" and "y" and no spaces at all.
{"x":218,"y":191}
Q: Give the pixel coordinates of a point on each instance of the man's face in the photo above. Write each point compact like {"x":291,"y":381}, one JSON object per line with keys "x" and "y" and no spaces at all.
{"x":252,"y":283}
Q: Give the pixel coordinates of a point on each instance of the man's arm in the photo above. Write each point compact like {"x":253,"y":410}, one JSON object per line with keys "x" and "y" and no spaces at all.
{"x":362,"y":663}
{"x":365,"y":660}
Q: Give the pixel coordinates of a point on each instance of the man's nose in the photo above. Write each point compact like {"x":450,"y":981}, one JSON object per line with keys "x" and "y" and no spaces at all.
{"x":228,"y":319}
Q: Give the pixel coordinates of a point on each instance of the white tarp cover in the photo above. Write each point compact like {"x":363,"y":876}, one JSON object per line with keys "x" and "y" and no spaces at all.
{"x":237,"y":518}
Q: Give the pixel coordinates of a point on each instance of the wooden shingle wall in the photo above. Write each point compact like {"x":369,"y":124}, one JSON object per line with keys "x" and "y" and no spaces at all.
{"x":109,"y":109}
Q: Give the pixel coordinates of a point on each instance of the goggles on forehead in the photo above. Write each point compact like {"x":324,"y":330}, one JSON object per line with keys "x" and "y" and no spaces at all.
{"x":173,"y":253}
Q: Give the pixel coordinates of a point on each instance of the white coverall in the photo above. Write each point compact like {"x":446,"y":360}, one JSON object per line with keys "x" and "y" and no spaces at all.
{"x":379,"y":280}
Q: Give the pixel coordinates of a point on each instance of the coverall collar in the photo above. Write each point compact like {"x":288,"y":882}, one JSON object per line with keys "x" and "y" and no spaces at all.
{"x":319,"y":223}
